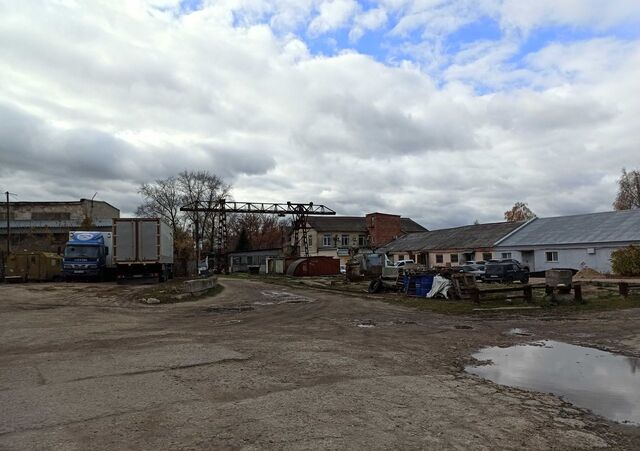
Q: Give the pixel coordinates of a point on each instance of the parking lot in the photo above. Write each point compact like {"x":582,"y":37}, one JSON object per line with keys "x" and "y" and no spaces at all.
{"x":264,"y":366}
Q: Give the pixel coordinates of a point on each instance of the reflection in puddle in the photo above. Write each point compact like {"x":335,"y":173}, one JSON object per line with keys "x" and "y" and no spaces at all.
{"x":606,"y":383}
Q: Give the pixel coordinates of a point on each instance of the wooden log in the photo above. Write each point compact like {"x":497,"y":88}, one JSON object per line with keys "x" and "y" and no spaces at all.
{"x":577,"y":293}
{"x":623,"y":289}
{"x":475,"y":295}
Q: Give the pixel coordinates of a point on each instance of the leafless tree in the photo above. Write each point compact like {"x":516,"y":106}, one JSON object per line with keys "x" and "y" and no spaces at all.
{"x":628,"y":191}
{"x":163,"y":199}
{"x":519,"y":212}
{"x":205,"y":189}
{"x":263,"y":231}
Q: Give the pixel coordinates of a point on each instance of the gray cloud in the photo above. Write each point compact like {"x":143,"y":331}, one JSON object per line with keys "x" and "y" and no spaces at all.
{"x":126,"y":95}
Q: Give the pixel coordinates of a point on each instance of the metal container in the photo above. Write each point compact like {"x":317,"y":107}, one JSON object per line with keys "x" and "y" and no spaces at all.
{"x":33,"y":266}
{"x":314,"y":266}
{"x":558,"y":278}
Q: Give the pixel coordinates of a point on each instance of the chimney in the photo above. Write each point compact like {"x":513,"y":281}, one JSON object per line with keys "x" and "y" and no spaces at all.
{"x":382,"y":228}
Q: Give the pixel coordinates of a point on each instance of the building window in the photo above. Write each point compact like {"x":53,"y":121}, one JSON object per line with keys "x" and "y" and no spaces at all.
{"x":400,"y":257}
{"x":454,"y":258}
{"x":310,"y":240}
{"x":362,"y":240}
{"x":439,"y":258}
{"x":506,"y":255}
{"x":326,"y":240}
{"x":487,"y":256}
{"x":249,"y":260}
{"x":551,"y":256}
{"x":344,"y":240}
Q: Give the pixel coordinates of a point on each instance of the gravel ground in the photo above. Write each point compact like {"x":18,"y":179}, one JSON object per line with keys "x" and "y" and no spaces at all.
{"x":87,"y":366}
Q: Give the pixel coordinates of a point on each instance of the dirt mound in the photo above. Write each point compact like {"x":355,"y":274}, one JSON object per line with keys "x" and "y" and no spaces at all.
{"x":588,"y":273}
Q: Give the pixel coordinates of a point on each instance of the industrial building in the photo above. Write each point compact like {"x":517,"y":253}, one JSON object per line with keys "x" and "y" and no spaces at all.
{"x":575,"y":242}
{"x":451,"y":247}
{"x":339,"y":236}
{"x":45,"y":226}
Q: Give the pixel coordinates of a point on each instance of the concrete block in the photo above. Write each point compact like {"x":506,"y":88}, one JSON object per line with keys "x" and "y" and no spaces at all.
{"x":199,"y":285}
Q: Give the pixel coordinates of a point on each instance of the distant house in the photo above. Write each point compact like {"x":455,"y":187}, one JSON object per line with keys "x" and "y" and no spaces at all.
{"x":337,"y":236}
{"x":242,"y":261}
{"x":451,"y":247}
{"x":577,"y":241}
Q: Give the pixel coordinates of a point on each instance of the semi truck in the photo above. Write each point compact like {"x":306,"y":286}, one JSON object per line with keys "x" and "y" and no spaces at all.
{"x":135,"y":249}
{"x":142,"y":249}
{"x":88,"y":255}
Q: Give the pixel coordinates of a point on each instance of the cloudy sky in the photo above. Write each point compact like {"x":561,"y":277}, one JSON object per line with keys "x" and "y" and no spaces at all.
{"x":443,"y":110}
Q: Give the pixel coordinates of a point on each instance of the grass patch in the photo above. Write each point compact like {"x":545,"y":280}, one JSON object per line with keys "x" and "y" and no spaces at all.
{"x":597,"y":297}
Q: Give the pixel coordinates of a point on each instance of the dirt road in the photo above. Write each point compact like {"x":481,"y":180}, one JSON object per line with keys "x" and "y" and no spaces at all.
{"x":86,"y":366}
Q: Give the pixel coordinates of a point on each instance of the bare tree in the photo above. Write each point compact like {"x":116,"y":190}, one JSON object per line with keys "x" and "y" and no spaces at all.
{"x":262,"y":230}
{"x":205,"y":189}
{"x":519,"y":212}
{"x":628,"y":190}
{"x":163,"y":199}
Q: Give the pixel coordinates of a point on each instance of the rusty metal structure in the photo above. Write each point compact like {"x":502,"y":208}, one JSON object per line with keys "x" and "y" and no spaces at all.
{"x":299,"y":212}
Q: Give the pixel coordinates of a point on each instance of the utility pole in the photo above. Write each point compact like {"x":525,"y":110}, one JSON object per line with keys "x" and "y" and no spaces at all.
{"x":7,"y":193}
{"x":8,"y":225}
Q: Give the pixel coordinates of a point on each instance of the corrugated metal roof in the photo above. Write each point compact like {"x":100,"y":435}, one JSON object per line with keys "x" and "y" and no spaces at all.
{"x":604,"y":227}
{"x":468,"y":237}
{"x":355,"y":224}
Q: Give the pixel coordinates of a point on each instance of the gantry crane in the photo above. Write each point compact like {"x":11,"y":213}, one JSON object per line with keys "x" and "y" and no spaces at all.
{"x":220,"y":208}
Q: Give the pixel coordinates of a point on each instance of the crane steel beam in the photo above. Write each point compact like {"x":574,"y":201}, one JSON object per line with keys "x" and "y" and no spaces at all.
{"x":220,"y":208}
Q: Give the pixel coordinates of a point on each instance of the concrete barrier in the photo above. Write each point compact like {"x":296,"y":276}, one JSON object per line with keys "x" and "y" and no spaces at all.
{"x":198,"y":285}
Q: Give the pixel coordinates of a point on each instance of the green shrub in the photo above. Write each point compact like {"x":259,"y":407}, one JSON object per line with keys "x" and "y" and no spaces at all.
{"x":626,"y":261}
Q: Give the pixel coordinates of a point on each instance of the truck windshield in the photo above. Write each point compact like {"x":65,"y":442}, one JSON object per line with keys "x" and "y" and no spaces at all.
{"x":81,"y":252}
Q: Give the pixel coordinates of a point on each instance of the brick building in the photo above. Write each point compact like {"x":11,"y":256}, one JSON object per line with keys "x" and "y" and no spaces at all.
{"x":340,"y":236}
{"x":45,"y":226}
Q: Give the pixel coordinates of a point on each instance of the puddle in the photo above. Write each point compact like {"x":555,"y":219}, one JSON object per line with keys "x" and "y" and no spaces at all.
{"x":462,"y":326}
{"x":606,"y":383}
{"x":282,"y":297}
{"x":366,"y":323}
{"x":230,"y":309}
{"x":518,"y":332}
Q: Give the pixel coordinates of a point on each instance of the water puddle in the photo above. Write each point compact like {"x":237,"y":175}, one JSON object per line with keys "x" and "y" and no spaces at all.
{"x":606,"y":383}
{"x":282,"y":297}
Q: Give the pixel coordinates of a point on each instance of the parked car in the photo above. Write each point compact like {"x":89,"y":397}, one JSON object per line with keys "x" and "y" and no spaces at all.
{"x":513,"y":260}
{"x":505,"y":272}
{"x":401,"y":263}
{"x":475,"y":262}
{"x":476,"y":270}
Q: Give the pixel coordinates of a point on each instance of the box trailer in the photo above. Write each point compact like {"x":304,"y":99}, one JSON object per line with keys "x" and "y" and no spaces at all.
{"x":142,"y":249}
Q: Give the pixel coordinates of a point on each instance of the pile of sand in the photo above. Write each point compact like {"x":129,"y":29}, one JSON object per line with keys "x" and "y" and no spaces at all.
{"x":588,"y":273}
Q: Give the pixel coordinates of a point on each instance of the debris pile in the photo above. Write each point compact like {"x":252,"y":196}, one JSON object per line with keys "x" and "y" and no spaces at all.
{"x":588,"y":273}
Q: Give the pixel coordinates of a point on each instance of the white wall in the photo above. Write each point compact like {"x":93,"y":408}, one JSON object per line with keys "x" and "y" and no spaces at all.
{"x":568,"y":257}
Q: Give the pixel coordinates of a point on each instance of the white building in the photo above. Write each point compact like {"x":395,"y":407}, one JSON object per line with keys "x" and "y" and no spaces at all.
{"x":576,"y":242}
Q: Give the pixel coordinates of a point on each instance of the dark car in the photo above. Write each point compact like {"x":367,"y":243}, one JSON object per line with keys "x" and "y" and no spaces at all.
{"x":505,"y":272}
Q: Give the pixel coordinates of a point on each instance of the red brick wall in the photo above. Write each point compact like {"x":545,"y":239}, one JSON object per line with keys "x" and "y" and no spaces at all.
{"x":382,"y":228}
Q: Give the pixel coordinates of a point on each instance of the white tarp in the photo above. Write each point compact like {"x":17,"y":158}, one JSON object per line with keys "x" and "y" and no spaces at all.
{"x":440,"y":286}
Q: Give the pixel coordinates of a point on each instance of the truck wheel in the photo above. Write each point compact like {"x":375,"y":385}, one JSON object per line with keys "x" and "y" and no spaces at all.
{"x":375,"y":286}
